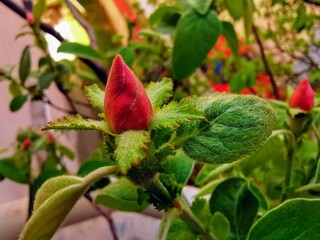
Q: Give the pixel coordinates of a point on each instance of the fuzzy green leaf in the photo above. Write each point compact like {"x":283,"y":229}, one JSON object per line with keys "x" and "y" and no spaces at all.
{"x":121,"y":195}
{"x":25,"y":65}
{"x":96,"y":96}
{"x":174,"y":114}
{"x":238,"y":126}
{"x":131,"y":149}
{"x":195,"y":36}
{"x":160,"y":92}
{"x":77,"y":122}
{"x":53,"y":202}
{"x":296,"y":219}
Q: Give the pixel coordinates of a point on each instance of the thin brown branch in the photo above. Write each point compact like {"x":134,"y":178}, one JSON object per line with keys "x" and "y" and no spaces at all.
{"x":313,"y":2}
{"x":105,"y":215}
{"x":265,"y":63}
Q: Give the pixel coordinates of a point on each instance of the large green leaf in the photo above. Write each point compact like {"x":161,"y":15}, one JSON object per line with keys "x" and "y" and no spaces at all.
{"x":295,"y":219}
{"x":81,"y":51}
{"x":54,"y":200}
{"x":238,"y":126}
{"x":77,"y":122}
{"x":121,"y":195}
{"x":233,"y":198}
{"x":180,"y":165}
{"x":131,"y":149}
{"x":195,"y":36}
{"x":201,"y":7}
{"x":174,"y":114}
{"x":96,"y":96}
{"x":25,"y":65}
{"x":231,"y":36}
{"x":160,"y":92}
{"x":235,"y":8}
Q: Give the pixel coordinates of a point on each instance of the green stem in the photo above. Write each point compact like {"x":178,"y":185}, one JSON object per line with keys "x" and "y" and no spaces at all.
{"x":188,"y":217}
{"x":156,"y":188}
{"x":99,"y":173}
{"x":287,"y":175}
{"x":166,"y":221}
{"x":317,"y":177}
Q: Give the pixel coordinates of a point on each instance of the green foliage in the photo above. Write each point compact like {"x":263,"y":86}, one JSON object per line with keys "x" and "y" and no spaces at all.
{"x":174,"y":114}
{"x":131,"y":149}
{"x":25,"y":65}
{"x":230,"y":117}
{"x":234,"y":199}
{"x":121,"y":195}
{"x":160,"y":92}
{"x":9,"y":169}
{"x":220,"y":226}
{"x":17,"y":102}
{"x":229,"y":33}
{"x":202,"y":7}
{"x":294,"y":219}
{"x":128,"y":54}
{"x":248,"y":10}
{"x":201,"y":33}
{"x":77,"y":122}
{"x":180,"y":165}
{"x":46,"y":79}
{"x":38,"y":9}
{"x":81,"y":51}
{"x":96,"y":96}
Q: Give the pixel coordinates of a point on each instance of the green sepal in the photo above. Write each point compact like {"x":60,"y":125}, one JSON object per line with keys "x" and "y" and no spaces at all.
{"x":131,"y":149}
{"x":77,"y":122}
{"x":96,"y":96}
{"x":174,"y":114}
{"x":160,"y":92}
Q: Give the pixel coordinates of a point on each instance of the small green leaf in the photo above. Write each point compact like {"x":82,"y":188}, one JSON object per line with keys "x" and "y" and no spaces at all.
{"x":201,"y":33}
{"x":131,"y":149}
{"x":81,"y":51}
{"x":96,"y":96}
{"x":46,"y":78}
{"x":77,"y":122}
{"x":17,"y":102}
{"x":238,"y":126}
{"x":201,"y":7}
{"x":174,"y":114}
{"x":235,"y":8}
{"x":160,"y":92}
{"x":162,"y":11}
{"x":233,"y":198}
{"x":9,"y":170}
{"x":15,"y":89}
{"x":296,"y":219}
{"x":220,"y":226}
{"x":121,"y":195}
{"x":179,"y":230}
{"x":259,"y":195}
{"x":38,"y":9}
{"x":231,"y":36}
{"x":66,"y":151}
{"x":25,"y":65}
{"x":180,"y":165}
{"x":128,"y":55}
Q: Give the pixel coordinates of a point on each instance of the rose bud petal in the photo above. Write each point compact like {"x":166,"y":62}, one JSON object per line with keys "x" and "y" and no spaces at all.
{"x":26,"y":143}
{"x":51,"y":138}
{"x":303,"y":96}
{"x":126,"y":103}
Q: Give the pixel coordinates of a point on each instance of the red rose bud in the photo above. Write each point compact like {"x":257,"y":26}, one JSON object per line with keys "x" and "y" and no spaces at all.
{"x":126,"y":103}
{"x":303,"y":96}
{"x":26,"y":143}
{"x":29,"y":17}
{"x":51,"y":138}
